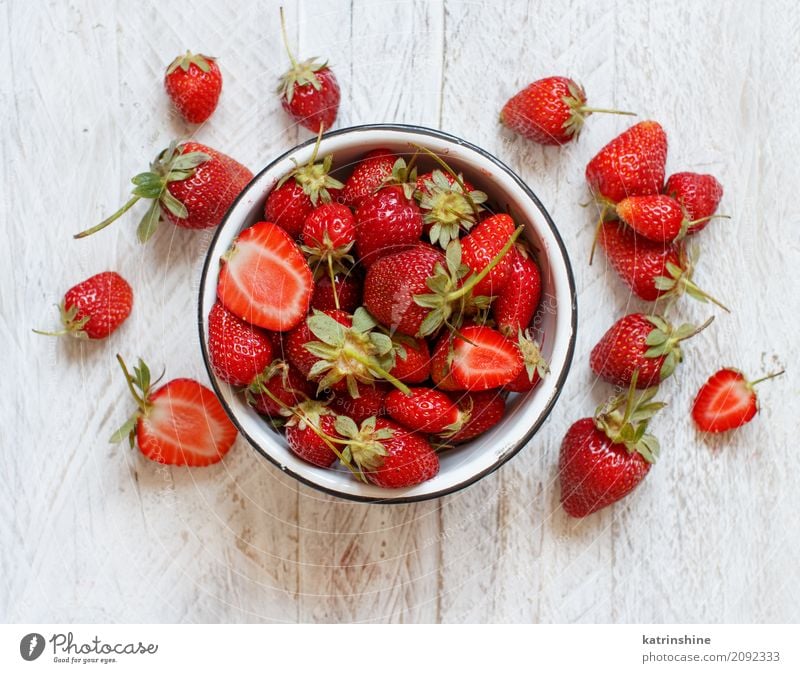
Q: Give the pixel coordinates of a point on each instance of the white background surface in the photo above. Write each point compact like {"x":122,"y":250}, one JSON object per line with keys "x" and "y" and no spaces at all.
{"x":93,"y":532}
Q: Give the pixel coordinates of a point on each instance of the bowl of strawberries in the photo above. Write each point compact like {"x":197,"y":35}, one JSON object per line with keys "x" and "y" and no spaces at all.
{"x":387,"y":313}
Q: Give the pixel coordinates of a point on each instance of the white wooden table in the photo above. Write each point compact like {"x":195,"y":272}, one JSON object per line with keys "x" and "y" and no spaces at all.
{"x":94,"y":532}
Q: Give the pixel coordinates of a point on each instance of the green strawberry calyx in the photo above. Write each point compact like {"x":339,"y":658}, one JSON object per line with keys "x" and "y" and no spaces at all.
{"x":169,"y":166}
{"x":679,"y":280}
{"x":447,"y":209}
{"x":139,"y":385}
{"x":300,"y":73}
{"x":330,"y":259}
{"x":312,"y":177}
{"x":535,"y":364}
{"x":73,"y":325}
{"x":185,"y":61}
{"x":664,"y":341}
{"x":364,"y":445}
{"x":356,"y":354}
{"x":624,"y":420}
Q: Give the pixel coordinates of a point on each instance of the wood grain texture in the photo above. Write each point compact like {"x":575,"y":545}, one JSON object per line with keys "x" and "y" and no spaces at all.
{"x":93,"y":532}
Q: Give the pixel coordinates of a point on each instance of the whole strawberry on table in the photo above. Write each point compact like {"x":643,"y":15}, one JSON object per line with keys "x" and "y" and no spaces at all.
{"x":378,"y":317}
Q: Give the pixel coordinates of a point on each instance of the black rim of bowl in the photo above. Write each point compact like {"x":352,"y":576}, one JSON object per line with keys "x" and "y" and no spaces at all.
{"x":508,"y":455}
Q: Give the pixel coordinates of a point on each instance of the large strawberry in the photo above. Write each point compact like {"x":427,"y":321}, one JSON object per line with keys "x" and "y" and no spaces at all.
{"x":425,"y":410}
{"x":95,"y":307}
{"x":238,"y":351}
{"x":309,"y":91}
{"x":650,"y":269}
{"x":180,"y":423}
{"x":550,"y":111}
{"x":368,"y":175}
{"x":189,"y":184}
{"x":604,"y":458}
{"x":300,"y":191}
{"x":193,"y":83}
{"x":388,"y":455}
{"x":278,"y":388}
{"x":726,"y":401}
{"x":480,"y":412}
{"x":644,"y":343}
{"x":387,"y":221}
{"x":698,"y":193}
{"x":632,"y":164}
{"x":514,"y":307}
{"x":658,"y":217}
{"x":265,"y":279}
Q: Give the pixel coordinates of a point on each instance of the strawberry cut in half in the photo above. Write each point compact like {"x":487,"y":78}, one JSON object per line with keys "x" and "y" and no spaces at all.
{"x":482,"y":358}
{"x":265,"y":279}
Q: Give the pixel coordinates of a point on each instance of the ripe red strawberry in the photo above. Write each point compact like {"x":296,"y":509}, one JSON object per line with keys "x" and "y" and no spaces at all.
{"x":413,"y":361}
{"x":392,"y":283}
{"x":424,"y":410}
{"x":549,"y":111}
{"x":658,"y":217}
{"x":265,"y":279}
{"x":441,"y":373}
{"x":389,"y":455}
{"x":480,"y":412}
{"x":368,"y":175}
{"x":328,"y":235}
{"x":387,"y":221}
{"x":189,"y":184}
{"x":193,"y":83}
{"x":298,"y":193}
{"x":308,"y":433}
{"x":650,"y":269}
{"x":604,"y":458}
{"x":309,"y":91}
{"x":644,"y":343}
{"x":237,"y":350}
{"x":95,"y":307}
{"x":348,"y":291}
{"x":481,"y":246}
{"x":449,"y":205}
{"x":371,"y":401}
{"x":632,"y":164}
{"x":180,"y":423}
{"x":535,"y":368}
{"x":726,"y":401}
{"x":482,"y":358}
{"x":296,"y":340}
{"x":513,"y":308}
{"x":698,"y":193}
{"x":278,"y":388}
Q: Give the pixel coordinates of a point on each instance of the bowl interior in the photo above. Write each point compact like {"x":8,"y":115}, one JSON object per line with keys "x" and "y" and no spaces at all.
{"x":554,"y":322}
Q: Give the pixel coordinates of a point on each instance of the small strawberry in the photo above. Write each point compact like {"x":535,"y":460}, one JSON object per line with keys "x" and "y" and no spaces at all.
{"x":300,"y":191}
{"x":371,"y":401}
{"x":604,"y":458}
{"x":644,"y":343}
{"x":481,"y":358}
{"x":328,"y":236}
{"x":309,"y":91}
{"x":193,"y":83}
{"x":189,"y":184}
{"x":387,"y":454}
{"x":95,"y":307}
{"x":309,"y":432}
{"x":348,"y":293}
{"x":657,"y":217}
{"x":265,"y":279}
{"x":278,"y":387}
{"x":413,"y":361}
{"x":633,"y":164}
{"x":449,"y":205}
{"x":480,"y":412}
{"x":650,"y":269}
{"x":425,"y":410}
{"x":238,"y":351}
{"x":549,"y":111}
{"x":387,"y":221}
{"x":698,"y":193}
{"x":514,"y":307}
{"x":180,"y":423}
{"x":368,"y":175}
{"x":535,"y":367}
{"x":726,"y":401}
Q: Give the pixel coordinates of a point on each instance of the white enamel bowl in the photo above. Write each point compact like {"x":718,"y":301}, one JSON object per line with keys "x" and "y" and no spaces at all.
{"x":555,"y":320}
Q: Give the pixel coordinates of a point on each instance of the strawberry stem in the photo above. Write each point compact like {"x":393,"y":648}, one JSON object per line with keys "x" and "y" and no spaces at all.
{"x":694,"y":223}
{"x":109,"y":220}
{"x":591,"y":110}
{"x":333,"y":282}
{"x":597,"y":231}
{"x":767,"y":377}
{"x":129,"y":380}
{"x":472,"y":281}
{"x":691,"y":285}
{"x":697,"y":330}
{"x":380,"y":371}
{"x":286,"y":41}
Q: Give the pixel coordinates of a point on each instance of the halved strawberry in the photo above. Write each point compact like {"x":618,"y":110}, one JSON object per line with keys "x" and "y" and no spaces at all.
{"x":180,"y":423}
{"x":265,"y":279}
{"x":482,"y":358}
{"x":726,"y":401}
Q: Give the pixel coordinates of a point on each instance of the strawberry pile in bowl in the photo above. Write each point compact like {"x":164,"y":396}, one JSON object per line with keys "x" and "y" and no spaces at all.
{"x":387,"y":313}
